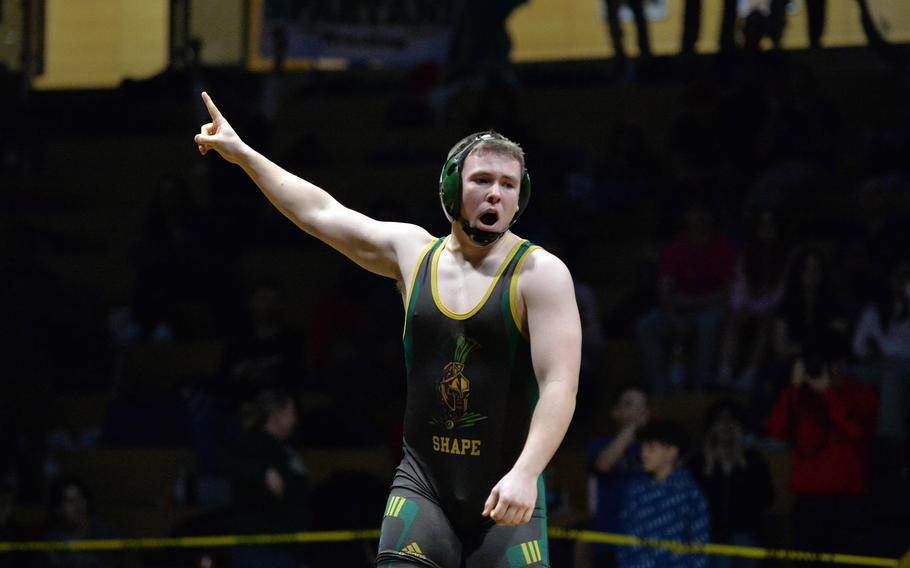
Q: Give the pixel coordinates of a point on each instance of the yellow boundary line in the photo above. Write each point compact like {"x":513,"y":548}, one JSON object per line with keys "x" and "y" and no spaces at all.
{"x":189,"y":541}
{"x":722,"y":549}
{"x":346,"y":536}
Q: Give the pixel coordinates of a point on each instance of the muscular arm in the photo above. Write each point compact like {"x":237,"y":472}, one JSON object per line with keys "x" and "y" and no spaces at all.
{"x":555,"y":331}
{"x":377,"y":246}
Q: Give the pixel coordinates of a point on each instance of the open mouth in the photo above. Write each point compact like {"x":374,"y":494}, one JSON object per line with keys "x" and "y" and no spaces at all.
{"x":489,"y":218}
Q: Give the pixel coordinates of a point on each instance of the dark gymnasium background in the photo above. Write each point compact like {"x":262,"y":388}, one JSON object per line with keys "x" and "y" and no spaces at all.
{"x":746,"y":162}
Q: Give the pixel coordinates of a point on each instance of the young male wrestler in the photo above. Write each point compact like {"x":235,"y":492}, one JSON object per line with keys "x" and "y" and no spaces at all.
{"x":492,"y":347}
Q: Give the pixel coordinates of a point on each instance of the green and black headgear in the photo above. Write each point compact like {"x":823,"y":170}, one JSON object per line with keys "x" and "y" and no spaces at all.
{"x":450,"y":184}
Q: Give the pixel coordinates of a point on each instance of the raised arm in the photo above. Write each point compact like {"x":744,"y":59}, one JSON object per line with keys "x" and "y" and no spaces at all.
{"x":379,"y":247}
{"x":554,"y":327}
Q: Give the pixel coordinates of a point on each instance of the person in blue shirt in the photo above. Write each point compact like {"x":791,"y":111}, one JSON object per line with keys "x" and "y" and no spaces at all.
{"x":663,"y":503}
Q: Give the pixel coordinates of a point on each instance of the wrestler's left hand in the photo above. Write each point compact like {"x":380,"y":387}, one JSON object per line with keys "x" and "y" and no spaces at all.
{"x":512,"y":500}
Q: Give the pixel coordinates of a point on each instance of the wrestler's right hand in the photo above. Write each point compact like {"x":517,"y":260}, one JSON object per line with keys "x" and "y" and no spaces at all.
{"x":218,"y":135}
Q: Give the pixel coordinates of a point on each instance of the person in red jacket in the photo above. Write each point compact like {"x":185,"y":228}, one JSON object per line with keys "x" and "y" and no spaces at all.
{"x":828,"y":420}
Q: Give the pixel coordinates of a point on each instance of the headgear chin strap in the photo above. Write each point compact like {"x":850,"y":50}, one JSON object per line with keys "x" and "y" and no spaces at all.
{"x":479,"y":236}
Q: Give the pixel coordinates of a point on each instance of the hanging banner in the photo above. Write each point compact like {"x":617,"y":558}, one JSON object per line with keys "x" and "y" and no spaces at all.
{"x":389,"y":33}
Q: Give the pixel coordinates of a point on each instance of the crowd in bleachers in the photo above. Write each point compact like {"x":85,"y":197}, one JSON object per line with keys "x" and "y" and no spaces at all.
{"x":741,"y":259}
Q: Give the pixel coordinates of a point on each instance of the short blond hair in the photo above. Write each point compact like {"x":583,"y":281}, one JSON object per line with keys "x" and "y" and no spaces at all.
{"x":488,"y":141}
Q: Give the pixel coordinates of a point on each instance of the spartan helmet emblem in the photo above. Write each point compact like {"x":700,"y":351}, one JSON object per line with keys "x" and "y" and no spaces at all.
{"x":455,"y":387}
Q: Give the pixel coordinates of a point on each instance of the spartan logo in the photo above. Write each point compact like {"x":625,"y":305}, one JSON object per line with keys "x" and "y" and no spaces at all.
{"x":455,"y":388}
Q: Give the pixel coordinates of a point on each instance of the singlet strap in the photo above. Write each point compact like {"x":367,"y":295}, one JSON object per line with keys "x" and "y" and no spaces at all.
{"x":521,"y":256}
{"x":420,"y":268}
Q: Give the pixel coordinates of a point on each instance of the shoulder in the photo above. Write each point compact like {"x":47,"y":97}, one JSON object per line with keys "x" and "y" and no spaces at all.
{"x":545,"y":288}
{"x":410,"y":242}
{"x":543,"y":272}
{"x":409,"y":236}
{"x":683,"y":479}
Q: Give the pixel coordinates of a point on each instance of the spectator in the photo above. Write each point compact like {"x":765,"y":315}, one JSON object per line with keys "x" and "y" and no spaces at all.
{"x":809,"y":309}
{"x":614,"y":23}
{"x":757,"y":291}
{"x":877,"y":240}
{"x":71,"y":518}
{"x":694,"y":279}
{"x":692,"y":26}
{"x":265,"y":353}
{"x":178,"y":286}
{"x":816,"y":14}
{"x":828,"y":419}
{"x":735,"y":479}
{"x":760,"y":19}
{"x":478,"y":58}
{"x":663,"y":503}
{"x":612,"y":462}
{"x":882,"y":343}
{"x":269,"y":480}
{"x":10,"y":529}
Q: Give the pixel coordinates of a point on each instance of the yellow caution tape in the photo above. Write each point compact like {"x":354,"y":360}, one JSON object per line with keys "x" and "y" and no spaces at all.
{"x":189,"y":541}
{"x":346,"y":536}
{"x":722,"y":549}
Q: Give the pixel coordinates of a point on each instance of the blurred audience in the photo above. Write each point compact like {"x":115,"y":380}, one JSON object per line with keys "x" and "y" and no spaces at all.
{"x":735,"y":479}
{"x":694,"y":279}
{"x":877,"y":237}
{"x":663,"y":502}
{"x":757,"y":292}
{"x":71,"y":518}
{"x":692,"y":26}
{"x":615,"y":25}
{"x":823,"y":174}
{"x":828,"y":419}
{"x":179,"y":284}
{"x":265,"y":352}
{"x":11,"y":530}
{"x":270,"y":481}
{"x":810,"y":309}
{"x":881,"y":343}
{"x":612,"y":463}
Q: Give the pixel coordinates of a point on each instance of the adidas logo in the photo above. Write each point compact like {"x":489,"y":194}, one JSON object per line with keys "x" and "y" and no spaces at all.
{"x":413,"y":550}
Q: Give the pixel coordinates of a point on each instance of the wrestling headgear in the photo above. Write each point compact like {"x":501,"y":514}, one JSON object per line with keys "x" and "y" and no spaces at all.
{"x":450,"y":187}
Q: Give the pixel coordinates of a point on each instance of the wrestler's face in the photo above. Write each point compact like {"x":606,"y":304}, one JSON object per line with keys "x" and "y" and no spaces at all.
{"x":489,"y":191}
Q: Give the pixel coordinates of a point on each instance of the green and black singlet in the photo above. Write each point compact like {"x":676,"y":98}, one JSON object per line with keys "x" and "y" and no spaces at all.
{"x":471,"y":391}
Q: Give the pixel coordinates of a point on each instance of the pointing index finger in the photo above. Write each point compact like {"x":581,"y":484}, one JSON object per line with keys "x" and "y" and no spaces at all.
{"x":210,"y":105}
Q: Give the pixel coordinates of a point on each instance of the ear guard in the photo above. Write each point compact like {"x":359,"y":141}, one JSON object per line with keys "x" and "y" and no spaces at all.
{"x":450,"y":181}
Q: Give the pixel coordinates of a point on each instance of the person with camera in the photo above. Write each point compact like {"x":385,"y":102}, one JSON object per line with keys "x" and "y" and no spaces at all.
{"x":828,"y":419}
